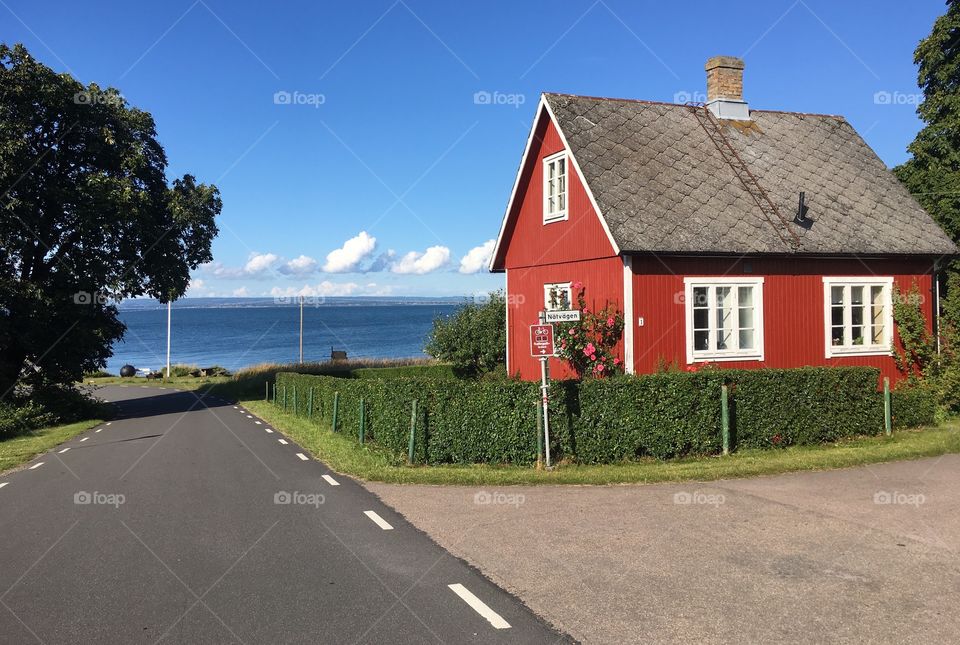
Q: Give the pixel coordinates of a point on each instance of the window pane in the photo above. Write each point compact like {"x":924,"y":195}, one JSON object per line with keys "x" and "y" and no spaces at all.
{"x":724,"y":318}
{"x":552,"y":169}
{"x":562,"y":165}
{"x":836,"y":295}
{"x":745,"y":296}
{"x":701,"y":340}
{"x":701,"y":319}
{"x":746,"y":317}
{"x":746,"y":339}
{"x":700,"y":297}
{"x":877,"y":317}
{"x":563,"y":200}
{"x":836,"y":316}
{"x":856,"y":295}
{"x":836,"y":336}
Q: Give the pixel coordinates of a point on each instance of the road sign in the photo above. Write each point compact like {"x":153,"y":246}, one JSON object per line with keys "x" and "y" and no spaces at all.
{"x":562,"y":316}
{"x":541,"y":340}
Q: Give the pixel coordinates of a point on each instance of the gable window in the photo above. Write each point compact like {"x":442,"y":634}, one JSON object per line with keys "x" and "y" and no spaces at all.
{"x":555,"y":188}
{"x":858,"y":316}
{"x":724,"y":319}
{"x":557,"y":296}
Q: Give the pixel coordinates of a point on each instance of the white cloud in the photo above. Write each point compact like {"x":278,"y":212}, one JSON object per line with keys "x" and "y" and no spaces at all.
{"x":303,"y":265}
{"x":259,"y":262}
{"x":241,"y":293}
{"x":430,"y":260}
{"x":477,"y":258}
{"x":351,"y":254}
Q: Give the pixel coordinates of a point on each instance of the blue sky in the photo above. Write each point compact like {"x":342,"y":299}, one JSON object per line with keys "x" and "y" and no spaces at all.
{"x":383,"y":153}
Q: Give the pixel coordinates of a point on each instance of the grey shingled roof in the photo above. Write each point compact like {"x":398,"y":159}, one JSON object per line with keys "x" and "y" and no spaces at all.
{"x":662,"y":185}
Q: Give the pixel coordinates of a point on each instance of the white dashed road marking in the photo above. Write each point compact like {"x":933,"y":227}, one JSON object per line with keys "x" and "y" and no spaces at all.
{"x":379,"y":521}
{"x":36,"y":465}
{"x":480,"y":607}
{"x":269,"y":430}
{"x":249,"y":416}
{"x":2,"y":484}
{"x":97,"y":430}
{"x":283,"y":441}
{"x":63,"y":451}
{"x":302,"y":456}
{"x":330,"y":480}
{"x":84,"y":439}
{"x":109,"y":422}
{"x":259,"y":423}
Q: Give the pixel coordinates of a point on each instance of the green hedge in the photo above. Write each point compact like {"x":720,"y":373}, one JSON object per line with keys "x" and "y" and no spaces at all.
{"x":913,"y":406}
{"x":445,"y":372}
{"x":603,"y":421}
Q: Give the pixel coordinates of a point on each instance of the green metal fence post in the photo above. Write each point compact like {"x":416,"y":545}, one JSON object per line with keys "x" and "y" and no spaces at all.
{"x":413,"y":430}
{"x":266,"y":395}
{"x":294,"y":400}
{"x":725,"y":412}
{"x":284,"y":398}
{"x":539,"y":436}
{"x":310,"y":404}
{"x":274,"y":393}
{"x":336,"y":409}
{"x":363,"y":421}
{"x":887,"y":417}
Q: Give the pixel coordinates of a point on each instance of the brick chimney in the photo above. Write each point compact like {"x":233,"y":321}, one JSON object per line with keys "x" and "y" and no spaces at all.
{"x":725,"y":88}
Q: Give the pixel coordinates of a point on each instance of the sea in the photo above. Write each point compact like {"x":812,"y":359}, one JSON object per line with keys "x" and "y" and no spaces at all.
{"x":239,"y":332}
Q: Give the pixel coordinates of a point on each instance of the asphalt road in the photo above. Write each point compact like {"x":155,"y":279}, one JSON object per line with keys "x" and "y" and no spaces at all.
{"x":187,"y":521}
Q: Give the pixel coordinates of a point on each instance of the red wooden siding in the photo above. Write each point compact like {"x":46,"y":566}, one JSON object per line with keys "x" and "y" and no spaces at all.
{"x":792,"y":306}
{"x":603,"y":282}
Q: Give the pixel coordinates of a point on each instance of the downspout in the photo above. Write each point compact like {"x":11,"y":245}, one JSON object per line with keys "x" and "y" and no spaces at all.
{"x":935,"y":323}
{"x":628,"y":338}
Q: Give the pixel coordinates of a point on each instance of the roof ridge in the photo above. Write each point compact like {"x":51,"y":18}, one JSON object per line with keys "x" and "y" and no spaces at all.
{"x":680,"y":105}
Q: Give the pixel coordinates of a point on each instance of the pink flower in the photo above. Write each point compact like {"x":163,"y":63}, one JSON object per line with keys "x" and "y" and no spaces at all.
{"x":610,"y":322}
{"x":573,"y":332}
{"x":616,"y":361}
{"x":578,"y":285}
{"x":589,"y":349}
{"x":593,"y":357}
{"x":600,"y":367}
{"x":586,"y":310}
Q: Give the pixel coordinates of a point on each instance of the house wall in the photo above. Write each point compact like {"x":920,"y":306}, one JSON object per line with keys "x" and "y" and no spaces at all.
{"x":575,"y":249}
{"x":793,"y":302}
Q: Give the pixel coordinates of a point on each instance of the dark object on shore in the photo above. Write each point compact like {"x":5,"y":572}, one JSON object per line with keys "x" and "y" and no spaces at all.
{"x":155,"y":375}
{"x":127,"y":371}
{"x":338,"y":355}
{"x":216,"y":370}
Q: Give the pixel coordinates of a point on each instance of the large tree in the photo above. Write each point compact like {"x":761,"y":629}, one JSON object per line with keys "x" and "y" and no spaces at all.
{"x":933,"y":173}
{"x":87,"y":218}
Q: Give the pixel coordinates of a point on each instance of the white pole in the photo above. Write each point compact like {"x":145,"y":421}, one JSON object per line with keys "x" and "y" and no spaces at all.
{"x":544,"y":389}
{"x":169,"y":303}
{"x":301,"y":329}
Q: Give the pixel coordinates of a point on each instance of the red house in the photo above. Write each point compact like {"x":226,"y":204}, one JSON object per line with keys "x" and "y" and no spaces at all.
{"x":725,"y":234}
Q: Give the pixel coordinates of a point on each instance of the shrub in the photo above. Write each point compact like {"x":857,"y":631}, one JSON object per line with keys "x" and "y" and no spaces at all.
{"x":663,"y":415}
{"x":914,"y":405}
{"x":473,"y":339}
{"x":45,"y":407}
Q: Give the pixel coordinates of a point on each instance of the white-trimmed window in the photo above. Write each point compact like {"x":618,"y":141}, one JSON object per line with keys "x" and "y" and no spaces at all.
{"x":557,"y":296}
{"x":555,"y":187}
{"x":724,"y":319}
{"x":858,"y":316}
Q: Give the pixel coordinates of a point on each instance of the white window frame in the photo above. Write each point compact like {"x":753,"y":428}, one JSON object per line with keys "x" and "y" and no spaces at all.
{"x":561,"y":214}
{"x":885,"y":348}
{"x":567,"y":286}
{"x":700,"y":356}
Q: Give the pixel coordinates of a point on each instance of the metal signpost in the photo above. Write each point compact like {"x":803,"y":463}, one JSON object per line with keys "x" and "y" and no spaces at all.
{"x":542,"y":347}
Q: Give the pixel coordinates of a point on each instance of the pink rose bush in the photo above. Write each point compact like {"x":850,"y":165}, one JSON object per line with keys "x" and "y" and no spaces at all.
{"x":588,"y":345}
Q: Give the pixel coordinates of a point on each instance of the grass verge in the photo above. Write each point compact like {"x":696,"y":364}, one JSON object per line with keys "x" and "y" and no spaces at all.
{"x":341,"y":453}
{"x":18,"y":450}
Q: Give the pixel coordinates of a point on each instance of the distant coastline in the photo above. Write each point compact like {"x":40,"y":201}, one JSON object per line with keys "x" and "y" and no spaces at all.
{"x":142,"y":304}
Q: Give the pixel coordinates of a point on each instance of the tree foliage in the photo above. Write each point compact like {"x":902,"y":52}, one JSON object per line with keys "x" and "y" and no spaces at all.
{"x":474,"y":339}
{"x":88,"y":219}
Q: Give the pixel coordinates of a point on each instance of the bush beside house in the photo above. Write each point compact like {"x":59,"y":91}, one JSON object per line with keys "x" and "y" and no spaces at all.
{"x":663,"y":416}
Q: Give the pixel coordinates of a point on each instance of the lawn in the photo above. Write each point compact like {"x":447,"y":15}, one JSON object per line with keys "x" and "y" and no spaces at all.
{"x":21,"y":449}
{"x":342,"y":453}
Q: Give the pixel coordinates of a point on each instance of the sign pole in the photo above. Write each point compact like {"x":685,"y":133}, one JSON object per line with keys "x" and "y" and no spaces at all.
{"x":169,"y":304}
{"x":545,"y":389}
{"x":301,"y":330}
